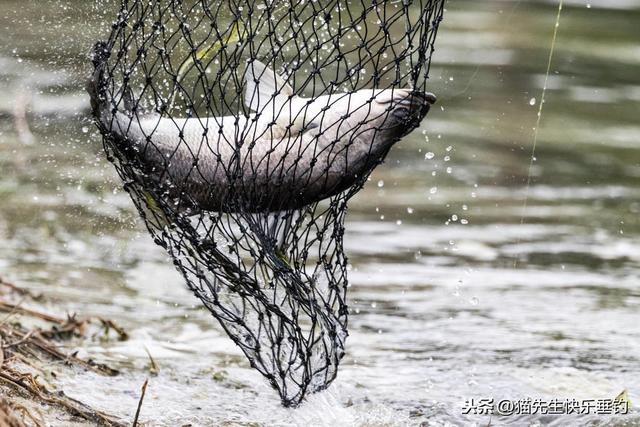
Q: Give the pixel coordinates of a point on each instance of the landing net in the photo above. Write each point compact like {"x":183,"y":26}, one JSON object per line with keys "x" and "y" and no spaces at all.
{"x":241,"y":130}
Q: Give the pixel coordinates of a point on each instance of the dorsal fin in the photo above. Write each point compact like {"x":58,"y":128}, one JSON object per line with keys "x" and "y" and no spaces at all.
{"x":263,"y":86}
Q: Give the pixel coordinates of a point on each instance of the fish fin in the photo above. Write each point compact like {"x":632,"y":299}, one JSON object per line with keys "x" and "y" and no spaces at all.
{"x":264,"y":86}
{"x":97,"y":84}
{"x":153,"y":212}
{"x":128,"y":99}
{"x":205,"y":53}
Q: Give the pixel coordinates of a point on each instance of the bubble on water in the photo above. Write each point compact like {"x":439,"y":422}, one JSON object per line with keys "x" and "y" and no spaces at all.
{"x":85,"y":129}
{"x":374,"y":305}
{"x":433,"y":190}
{"x":430,"y":155}
{"x":380,"y":183}
{"x":409,"y":210}
{"x":474,"y":301}
{"x":454,"y":217}
{"x":532,"y":101}
{"x":464,"y":221}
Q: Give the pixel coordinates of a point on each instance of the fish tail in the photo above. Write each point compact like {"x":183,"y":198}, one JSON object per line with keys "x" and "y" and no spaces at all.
{"x":120,"y":127}
{"x":97,"y":84}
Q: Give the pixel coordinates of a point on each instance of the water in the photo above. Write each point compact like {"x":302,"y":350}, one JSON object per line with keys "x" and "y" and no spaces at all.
{"x":456,"y":292}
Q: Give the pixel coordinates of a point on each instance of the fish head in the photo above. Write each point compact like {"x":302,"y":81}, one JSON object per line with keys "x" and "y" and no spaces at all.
{"x":391,"y":113}
{"x":403,"y":110}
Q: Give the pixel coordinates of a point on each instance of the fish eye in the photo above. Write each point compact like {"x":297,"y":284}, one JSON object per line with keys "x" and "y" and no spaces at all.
{"x":401,"y":113}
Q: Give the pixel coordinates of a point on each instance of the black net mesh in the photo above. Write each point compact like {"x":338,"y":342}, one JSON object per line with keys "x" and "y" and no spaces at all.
{"x":240,"y":131}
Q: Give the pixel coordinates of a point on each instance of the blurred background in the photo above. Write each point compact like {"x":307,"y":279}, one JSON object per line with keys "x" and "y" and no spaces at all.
{"x":457,"y":290}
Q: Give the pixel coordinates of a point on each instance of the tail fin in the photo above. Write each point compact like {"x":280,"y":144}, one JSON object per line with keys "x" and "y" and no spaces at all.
{"x":123,"y":129}
{"x":97,"y":84}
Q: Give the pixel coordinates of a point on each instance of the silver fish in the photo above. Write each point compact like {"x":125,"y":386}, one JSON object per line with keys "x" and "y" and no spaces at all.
{"x":291,"y":152}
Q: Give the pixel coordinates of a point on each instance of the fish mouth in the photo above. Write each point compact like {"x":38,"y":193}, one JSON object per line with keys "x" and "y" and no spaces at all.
{"x":410,"y":110}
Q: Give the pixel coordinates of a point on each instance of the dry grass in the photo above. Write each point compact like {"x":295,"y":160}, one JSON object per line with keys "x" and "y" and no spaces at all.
{"x":28,"y":355}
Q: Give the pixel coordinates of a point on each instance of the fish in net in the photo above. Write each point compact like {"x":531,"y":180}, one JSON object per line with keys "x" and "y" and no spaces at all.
{"x":240,"y":131}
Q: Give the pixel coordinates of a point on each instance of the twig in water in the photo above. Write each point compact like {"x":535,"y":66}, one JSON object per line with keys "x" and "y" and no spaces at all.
{"x":38,"y":420}
{"x":20,"y":121}
{"x":27,"y":383}
{"x":144,"y":390}
{"x":8,"y":416}
{"x":110,"y":324}
{"x":153,"y":366}
{"x":16,"y":308}
{"x":20,"y":291}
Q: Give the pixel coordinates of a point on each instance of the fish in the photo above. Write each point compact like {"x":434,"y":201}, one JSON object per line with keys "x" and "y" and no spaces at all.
{"x":290,"y":152}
